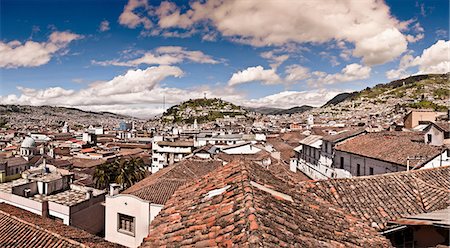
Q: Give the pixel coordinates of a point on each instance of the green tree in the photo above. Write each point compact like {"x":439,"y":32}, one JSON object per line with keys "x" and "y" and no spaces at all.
{"x":125,"y":172}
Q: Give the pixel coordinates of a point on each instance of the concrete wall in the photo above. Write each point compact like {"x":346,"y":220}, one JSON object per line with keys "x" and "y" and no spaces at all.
{"x":90,"y":219}
{"x":131,"y":206}
{"x":441,"y":160}
{"x":413,"y":119}
{"x":437,"y":136}
{"x":351,"y":162}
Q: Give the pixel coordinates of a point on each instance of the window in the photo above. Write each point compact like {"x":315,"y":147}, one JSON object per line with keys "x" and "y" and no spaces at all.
{"x":429,"y":138}
{"x":342,"y":162}
{"x":358,"y":169}
{"x":17,"y":170}
{"x":370,"y":170}
{"x":126,"y":224}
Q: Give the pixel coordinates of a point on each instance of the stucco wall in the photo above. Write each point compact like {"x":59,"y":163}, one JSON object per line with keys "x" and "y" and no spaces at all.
{"x":131,"y":206}
{"x":351,"y":162}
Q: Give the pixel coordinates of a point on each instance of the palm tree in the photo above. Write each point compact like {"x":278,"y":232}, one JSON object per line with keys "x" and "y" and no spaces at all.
{"x":103,"y":176}
{"x":125,"y":172}
{"x":130,"y":171}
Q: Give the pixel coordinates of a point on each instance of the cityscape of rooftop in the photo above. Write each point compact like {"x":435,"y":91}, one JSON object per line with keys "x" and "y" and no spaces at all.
{"x":224,"y":123}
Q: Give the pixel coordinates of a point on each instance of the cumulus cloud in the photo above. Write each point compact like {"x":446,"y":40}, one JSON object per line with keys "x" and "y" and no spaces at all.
{"x":288,"y":99}
{"x":15,"y":54}
{"x":297,"y":73}
{"x":349,"y":73}
{"x":434,"y":59}
{"x":166,"y":55}
{"x":131,"y":17}
{"x":104,"y":26}
{"x":135,"y":86}
{"x":251,"y":74}
{"x":276,"y":60}
{"x":376,"y":35}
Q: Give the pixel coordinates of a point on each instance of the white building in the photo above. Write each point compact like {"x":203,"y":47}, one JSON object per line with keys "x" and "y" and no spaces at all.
{"x":48,"y":191}
{"x":314,"y":157}
{"x":28,"y":148}
{"x":379,"y":153}
{"x":165,"y":153}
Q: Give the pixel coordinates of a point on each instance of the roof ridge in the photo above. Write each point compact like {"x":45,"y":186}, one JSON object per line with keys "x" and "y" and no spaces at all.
{"x":421,"y":189}
{"x":43,"y":229}
{"x":252,"y":221}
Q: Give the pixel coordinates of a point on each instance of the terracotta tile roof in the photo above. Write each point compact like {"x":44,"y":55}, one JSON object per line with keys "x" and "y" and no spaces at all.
{"x":394,"y":147}
{"x":176,"y":143}
{"x":243,"y":204}
{"x":286,"y":150}
{"x":383,"y":198}
{"x":443,"y":126}
{"x":159,"y":187}
{"x":86,"y":163}
{"x":342,"y":135}
{"x":248,"y":157}
{"x":278,"y":168}
{"x":15,"y":161}
{"x":20,"y":228}
{"x":292,"y":138}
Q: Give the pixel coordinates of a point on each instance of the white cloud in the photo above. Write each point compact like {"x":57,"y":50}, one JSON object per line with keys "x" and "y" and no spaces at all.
{"x":166,"y":55}
{"x":297,"y":73}
{"x":276,"y":60}
{"x":349,"y":73}
{"x":31,"y":54}
{"x":130,"y":16}
{"x":104,"y":26}
{"x":434,"y":59}
{"x":257,"y":73}
{"x":288,"y":99}
{"x":382,"y":47}
{"x":135,"y":86}
{"x":369,"y":25}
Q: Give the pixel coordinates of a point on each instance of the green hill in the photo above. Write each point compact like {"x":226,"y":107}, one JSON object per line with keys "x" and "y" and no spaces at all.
{"x":202,"y":109}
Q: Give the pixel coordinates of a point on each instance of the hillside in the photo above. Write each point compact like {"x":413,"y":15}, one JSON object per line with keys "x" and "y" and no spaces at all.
{"x":429,"y":91}
{"x":25,"y":115}
{"x":389,"y":102}
{"x":340,"y":98}
{"x":203,"y":110}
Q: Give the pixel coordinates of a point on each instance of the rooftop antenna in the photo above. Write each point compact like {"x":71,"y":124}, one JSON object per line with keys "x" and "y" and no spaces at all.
{"x":204,"y":95}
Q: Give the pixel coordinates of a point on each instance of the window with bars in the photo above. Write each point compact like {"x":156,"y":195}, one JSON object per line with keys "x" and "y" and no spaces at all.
{"x":126,"y":224}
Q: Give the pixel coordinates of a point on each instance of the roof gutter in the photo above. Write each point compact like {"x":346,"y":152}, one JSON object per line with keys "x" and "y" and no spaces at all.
{"x":395,"y":229}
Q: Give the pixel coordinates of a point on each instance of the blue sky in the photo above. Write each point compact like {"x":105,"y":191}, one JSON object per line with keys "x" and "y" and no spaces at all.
{"x":124,"y":56}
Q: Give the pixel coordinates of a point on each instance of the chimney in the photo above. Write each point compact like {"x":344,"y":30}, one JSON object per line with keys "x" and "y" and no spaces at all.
{"x":89,"y":194}
{"x":45,"y":213}
{"x":114,"y":189}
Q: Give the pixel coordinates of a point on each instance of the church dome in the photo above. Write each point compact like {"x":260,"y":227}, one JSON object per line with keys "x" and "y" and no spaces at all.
{"x":28,"y":143}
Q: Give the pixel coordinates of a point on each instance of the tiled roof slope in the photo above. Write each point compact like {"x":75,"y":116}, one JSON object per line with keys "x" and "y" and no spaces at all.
{"x":159,"y":187}
{"x":20,"y":228}
{"x":382,"y":198}
{"x":393,"y":147}
{"x":266,"y":214}
{"x":278,"y":168}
